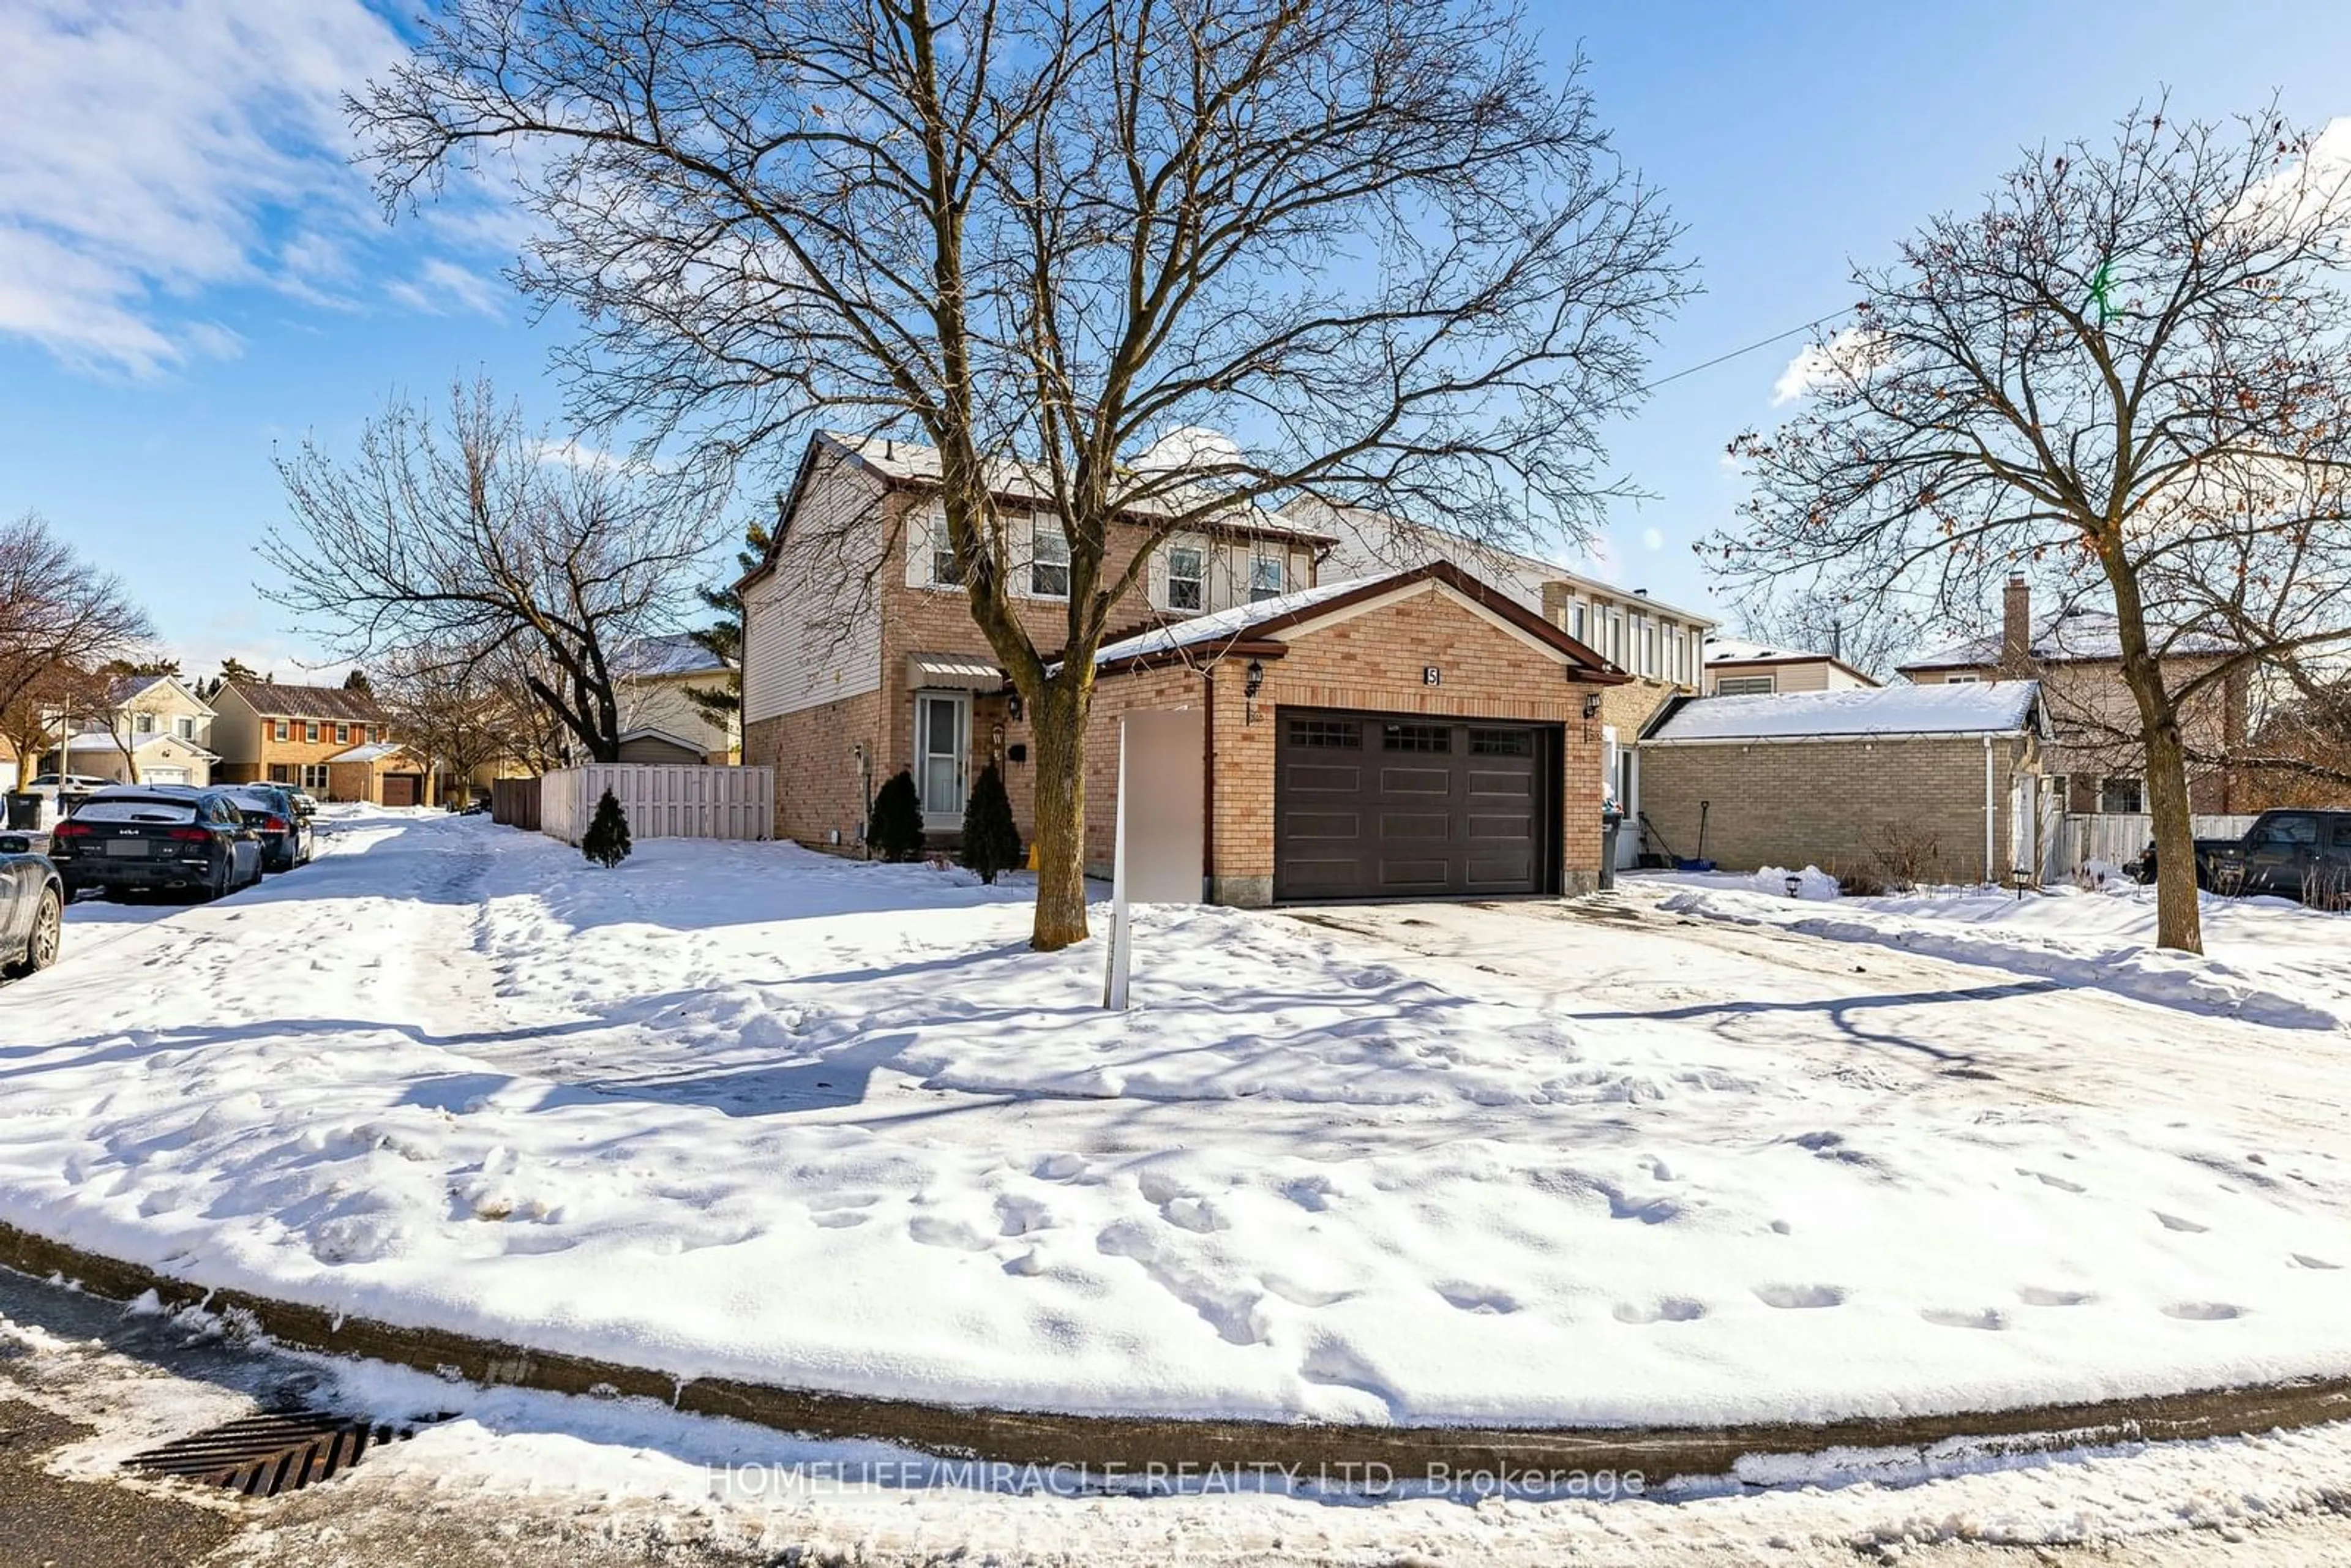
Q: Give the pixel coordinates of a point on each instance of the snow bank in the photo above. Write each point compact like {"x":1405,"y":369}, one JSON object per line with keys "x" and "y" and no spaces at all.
{"x":1812,"y":883}
{"x":742,"y":1110}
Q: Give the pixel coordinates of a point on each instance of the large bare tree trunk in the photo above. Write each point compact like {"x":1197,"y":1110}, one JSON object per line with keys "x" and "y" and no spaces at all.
{"x":2178,"y":922}
{"x":1058,"y":721}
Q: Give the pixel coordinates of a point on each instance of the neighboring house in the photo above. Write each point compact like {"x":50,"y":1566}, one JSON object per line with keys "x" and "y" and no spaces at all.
{"x":1418,"y":734}
{"x":268,"y":733}
{"x":159,"y":733}
{"x":1657,"y":645}
{"x":1736,"y":667}
{"x":654,"y":678}
{"x":861,"y":657}
{"x":2096,"y":763}
{"x":1947,"y":776}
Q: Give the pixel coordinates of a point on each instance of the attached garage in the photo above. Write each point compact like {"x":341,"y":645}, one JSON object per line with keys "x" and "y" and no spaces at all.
{"x":1417,"y":736}
{"x":1402,"y":806}
{"x":404,"y":790}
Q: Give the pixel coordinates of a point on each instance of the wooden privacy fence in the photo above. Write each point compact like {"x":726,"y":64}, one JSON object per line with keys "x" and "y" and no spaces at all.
{"x":662,"y":799}
{"x":2118,"y":838}
{"x":513,"y":803}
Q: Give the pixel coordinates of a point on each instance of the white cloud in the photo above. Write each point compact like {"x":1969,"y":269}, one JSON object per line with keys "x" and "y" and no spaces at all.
{"x":442,"y":287}
{"x":153,"y":150}
{"x":1653,"y":540}
{"x":1852,"y":353}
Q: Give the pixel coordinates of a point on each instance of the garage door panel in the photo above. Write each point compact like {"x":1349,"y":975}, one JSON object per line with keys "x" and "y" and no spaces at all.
{"x":1385,"y":806}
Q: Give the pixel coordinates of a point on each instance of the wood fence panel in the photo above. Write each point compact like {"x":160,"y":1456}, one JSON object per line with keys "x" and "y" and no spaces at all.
{"x":663,"y":801}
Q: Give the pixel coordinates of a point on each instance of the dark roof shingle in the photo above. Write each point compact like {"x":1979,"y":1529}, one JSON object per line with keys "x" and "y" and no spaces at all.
{"x":339,"y":704}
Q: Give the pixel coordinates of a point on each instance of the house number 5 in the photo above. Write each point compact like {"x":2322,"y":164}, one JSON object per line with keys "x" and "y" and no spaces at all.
{"x":1430,"y":675}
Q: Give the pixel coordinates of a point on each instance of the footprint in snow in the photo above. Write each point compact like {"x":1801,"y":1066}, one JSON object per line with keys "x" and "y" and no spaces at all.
{"x":2173,"y":1222}
{"x":1313,"y":1194}
{"x":2039,"y":1296}
{"x":1953,"y":1318}
{"x":1478,"y":1297}
{"x":2045,"y":1179}
{"x":1795,"y":1297}
{"x":2304,"y":1261}
{"x":2203,"y":1312}
{"x":1672,"y":1310}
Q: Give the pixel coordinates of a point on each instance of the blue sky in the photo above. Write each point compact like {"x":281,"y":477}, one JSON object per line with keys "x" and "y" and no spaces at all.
{"x":189,"y":274}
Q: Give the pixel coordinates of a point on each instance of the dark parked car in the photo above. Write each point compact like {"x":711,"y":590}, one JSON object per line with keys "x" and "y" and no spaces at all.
{"x":32,"y":908}
{"x":156,"y":838}
{"x":286,"y":836}
{"x":2283,"y":852}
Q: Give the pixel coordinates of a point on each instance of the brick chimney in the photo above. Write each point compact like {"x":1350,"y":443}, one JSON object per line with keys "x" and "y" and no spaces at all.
{"x":2016,"y":624}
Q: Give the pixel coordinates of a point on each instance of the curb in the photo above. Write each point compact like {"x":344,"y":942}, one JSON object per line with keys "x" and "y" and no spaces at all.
{"x":1044,"y":1439}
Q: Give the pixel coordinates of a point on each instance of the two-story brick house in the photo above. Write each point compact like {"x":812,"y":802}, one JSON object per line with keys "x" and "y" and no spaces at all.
{"x":861,"y":658}
{"x":2096,"y":764}
{"x":333,"y":741}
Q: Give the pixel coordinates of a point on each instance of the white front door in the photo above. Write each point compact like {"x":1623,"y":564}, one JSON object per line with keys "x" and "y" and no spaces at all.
{"x":942,"y":753}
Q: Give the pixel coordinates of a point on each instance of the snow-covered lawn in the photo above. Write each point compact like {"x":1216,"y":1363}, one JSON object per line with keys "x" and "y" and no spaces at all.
{"x":745,"y":1109}
{"x":2269,"y":960}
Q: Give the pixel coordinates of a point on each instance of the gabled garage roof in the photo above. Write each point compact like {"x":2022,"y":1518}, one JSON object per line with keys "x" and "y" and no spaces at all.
{"x":1966,"y":708}
{"x":1257,"y":628}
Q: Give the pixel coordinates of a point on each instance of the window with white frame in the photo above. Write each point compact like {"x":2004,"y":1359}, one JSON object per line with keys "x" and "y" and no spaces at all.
{"x":184,"y":727}
{"x":284,"y":730}
{"x":1576,"y":625}
{"x":1188,"y":576}
{"x":310,"y":734}
{"x":1962,"y":680}
{"x":1617,"y":638}
{"x":1746,"y":686}
{"x":314,"y":775}
{"x":1265,"y":577}
{"x":2122,"y":794}
{"x":943,"y":571}
{"x":144,"y":723}
{"x":1649,"y":664}
{"x":342,"y":735}
{"x":1049,"y":561}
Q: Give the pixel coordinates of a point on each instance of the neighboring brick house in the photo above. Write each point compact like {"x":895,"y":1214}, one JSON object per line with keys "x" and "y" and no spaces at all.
{"x":860,"y":656}
{"x":1850,"y":780}
{"x":2095,"y":763}
{"x":322,"y":739}
{"x":156,"y":731}
{"x":659,"y":722}
{"x":1736,"y":667}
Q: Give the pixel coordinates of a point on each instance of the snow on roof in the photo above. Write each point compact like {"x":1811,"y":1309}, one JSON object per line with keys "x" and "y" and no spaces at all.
{"x":1721,"y":650}
{"x":675,"y":654}
{"x":2069,"y":636}
{"x":1227,"y":626}
{"x":375,"y":753}
{"x":103,"y":740}
{"x":1967,"y":707}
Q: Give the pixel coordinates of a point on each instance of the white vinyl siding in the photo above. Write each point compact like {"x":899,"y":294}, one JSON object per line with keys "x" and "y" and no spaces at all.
{"x":811,"y":634}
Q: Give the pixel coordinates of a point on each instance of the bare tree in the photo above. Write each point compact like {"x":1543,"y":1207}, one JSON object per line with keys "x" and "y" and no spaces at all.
{"x":1377,"y":238}
{"x":58,"y":614}
{"x":481,"y":538}
{"x":452,"y":711}
{"x":2128,"y":376}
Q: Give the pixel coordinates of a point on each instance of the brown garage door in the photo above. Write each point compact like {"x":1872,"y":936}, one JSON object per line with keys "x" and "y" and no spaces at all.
{"x":403,"y":788}
{"x":1404,"y":806}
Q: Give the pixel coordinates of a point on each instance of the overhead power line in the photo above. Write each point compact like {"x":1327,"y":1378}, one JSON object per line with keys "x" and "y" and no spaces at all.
{"x":1759,"y":343}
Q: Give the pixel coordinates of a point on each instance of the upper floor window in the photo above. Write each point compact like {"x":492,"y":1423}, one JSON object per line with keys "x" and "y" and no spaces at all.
{"x":1265,"y":578}
{"x":310,"y":733}
{"x":1576,"y":625}
{"x":342,"y":735}
{"x":283,"y":729}
{"x":1962,"y":680}
{"x":2122,"y":795}
{"x":184,"y":727}
{"x":1188,"y":576}
{"x":944,"y":569}
{"x":144,"y":723}
{"x":1049,"y":564}
{"x":1746,"y":686}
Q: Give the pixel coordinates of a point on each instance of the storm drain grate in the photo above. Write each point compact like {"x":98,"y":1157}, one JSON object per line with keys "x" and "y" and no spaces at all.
{"x":262,"y":1455}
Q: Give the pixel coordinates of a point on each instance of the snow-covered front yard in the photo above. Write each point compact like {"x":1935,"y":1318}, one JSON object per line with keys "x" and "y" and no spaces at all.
{"x":744,"y":1110}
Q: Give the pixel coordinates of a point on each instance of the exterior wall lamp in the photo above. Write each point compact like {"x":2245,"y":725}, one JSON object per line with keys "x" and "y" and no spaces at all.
{"x":1591,"y":705}
{"x":1253,"y":679}
{"x":1013,"y":708}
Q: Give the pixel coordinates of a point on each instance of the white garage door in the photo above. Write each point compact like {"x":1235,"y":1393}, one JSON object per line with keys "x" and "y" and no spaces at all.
{"x":164,"y":774}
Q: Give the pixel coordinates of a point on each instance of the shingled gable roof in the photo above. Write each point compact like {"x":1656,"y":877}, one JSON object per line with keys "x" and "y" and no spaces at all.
{"x":902,"y":465}
{"x":338,"y":705}
{"x":1255,"y":629}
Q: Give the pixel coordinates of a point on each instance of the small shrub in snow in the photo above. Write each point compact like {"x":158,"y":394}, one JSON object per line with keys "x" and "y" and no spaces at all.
{"x":991,"y":842}
{"x":1905,"y":855}
{"x":1860,"y":884}
{"x":607,"y":841}
{"x":896,"y":831}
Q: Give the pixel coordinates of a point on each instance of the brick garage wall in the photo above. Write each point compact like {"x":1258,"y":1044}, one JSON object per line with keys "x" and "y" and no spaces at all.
{"x":1830,"y":803}
{"x":814,"y":754}
{"x":1373,"y":663}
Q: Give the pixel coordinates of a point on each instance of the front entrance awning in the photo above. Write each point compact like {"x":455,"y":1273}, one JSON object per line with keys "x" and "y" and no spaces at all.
{"x":952,"y":671}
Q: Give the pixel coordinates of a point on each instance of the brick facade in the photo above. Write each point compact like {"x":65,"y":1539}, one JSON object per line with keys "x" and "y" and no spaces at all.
{"x":1833,"y":804}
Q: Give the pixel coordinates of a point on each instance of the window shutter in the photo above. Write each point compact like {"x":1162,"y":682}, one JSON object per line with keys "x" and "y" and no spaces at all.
{"x":1154,"y":575}
{"x":922,"y":529}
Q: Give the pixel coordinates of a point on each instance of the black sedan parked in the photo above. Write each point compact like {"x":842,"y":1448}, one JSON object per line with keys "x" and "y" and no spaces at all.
{"x":157,"y":838}
{"x":287,"y":835}
{"x":32,"y":908}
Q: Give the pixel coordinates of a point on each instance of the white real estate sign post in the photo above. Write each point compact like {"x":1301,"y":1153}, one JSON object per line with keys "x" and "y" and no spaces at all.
{"x":1162,"y":827}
